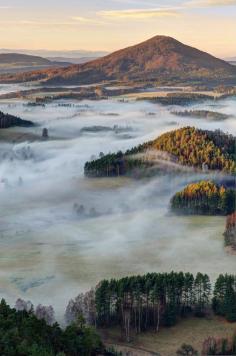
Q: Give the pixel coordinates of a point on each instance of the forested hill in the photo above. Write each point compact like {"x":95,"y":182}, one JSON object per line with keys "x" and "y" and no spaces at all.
{"x":22,"y":59}
{"x":160,"y":58}
{"x":187,"y":146}
{"x":7,"y":120}
{"x":204,"y":198}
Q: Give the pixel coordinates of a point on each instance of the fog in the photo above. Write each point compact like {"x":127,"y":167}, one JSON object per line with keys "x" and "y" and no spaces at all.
{"x":48,"y":253}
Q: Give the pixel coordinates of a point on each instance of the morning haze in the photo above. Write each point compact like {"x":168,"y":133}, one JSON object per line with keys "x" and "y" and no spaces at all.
{"x":117,"y":177}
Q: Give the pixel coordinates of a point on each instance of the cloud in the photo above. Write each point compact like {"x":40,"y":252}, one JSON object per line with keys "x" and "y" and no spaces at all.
{"x":209,"y":3}
{"x":137,"y":14}
{"x":87,"y":21}
{"x":72,"y":22}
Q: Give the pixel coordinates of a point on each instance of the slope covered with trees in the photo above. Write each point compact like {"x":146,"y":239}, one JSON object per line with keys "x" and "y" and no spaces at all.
{"x":195,"y":147}
{"x":135,"y":303}
{"x":142,"y":303}
{"x":202,"y":114}
{"x":7,"y":121}
{"x":204,"y":197}
{"x":200,"y":149}
{"x":22,"y":333}
{"x":224,"y":300}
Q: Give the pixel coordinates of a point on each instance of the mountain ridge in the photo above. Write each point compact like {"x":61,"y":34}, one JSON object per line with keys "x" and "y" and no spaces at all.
{"x":16,"y":62}
{"x":159,"y":58}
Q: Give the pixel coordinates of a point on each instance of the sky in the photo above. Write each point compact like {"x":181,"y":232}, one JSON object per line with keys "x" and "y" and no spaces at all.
{"x":109,"y":25}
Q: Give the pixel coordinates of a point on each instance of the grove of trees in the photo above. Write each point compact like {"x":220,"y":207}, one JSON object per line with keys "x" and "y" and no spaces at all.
{"x":142,"y":303}
{"x":219,"y":346}
{"x":135,"y":303}
{"x":23,"y":333}
{"x":230,"y":231}
{"x":224,"y":300}
{"x":204,"y":197}
{"x":206,"y":114}
{"x":7,"y":120}
{"x":188,"y":146}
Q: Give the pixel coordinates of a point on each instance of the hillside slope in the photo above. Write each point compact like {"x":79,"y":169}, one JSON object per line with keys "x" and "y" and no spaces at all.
{"x":188,"y":146}
{"x":7,"y":120}
{"x":18,"y":62}
{"x":22,"y":59}
{"x":160,"y":58}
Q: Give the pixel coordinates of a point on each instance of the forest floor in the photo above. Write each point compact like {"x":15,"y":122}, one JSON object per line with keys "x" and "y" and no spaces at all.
{"x":167,"y":341}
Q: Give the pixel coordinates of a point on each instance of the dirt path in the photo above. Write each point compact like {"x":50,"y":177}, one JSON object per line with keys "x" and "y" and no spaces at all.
{"x":130,"y":350}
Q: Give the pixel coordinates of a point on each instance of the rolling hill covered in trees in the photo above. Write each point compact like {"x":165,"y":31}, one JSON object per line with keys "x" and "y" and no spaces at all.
{"x":188,"y":146}
{"x":161,"y":59}
{"x":19,"y":62}
{"x":204,"y":197}
{"x":7,"y":120}
{"x":22,"y":59}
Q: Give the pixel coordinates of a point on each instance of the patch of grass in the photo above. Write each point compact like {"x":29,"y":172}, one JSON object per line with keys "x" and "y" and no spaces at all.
{"x":167,"y":341}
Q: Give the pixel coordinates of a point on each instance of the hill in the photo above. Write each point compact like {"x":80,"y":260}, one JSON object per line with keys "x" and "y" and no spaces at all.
{"x":72,"y":60}
{"x":188,"y":146}
{"x":161,"y":59}
{"x":17,"y":62}
{"x":7,"y":121}
{"x":204,"y":198}
{"x":22,"y":59}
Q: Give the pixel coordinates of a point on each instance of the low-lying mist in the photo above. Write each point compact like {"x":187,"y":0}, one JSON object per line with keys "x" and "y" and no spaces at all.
{"x":49,"y":250}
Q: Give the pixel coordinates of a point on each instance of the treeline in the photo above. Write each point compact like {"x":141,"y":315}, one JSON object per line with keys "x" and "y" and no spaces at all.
{"x":200,"y":149}
{"x":230,"y":231}
{"x":7,"y":121}
{"x":206,"y":114}
{"x":224,"y":300}
{"x":178,"y":98}
{"x":219,"y":346}
{"x":147,"y":302}
{"x":115,"y":165}
{"x":204,"y":197}
{"x":22,"y":333}
{"x":136,"y":304}
{"x":211,"y":346}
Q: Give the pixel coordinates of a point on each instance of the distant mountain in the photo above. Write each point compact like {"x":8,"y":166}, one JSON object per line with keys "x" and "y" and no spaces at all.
{"x":72,"y":60}
{"x":160,"y":59}
{"x":22,"y":59}
{"x":17,"y":62}
{"x":50,"y":53}
{"x":231,"y":60}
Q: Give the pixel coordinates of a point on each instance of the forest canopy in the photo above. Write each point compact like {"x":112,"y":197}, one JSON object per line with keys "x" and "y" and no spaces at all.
{"x":147,"y":302}
{"x":7,"y":120}
{"x":22,"y":333}
{"x":188,"y":146}
{"x":204,"y":197}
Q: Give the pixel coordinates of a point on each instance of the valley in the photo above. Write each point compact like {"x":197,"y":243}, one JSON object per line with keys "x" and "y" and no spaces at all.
{"x":46,"y":243}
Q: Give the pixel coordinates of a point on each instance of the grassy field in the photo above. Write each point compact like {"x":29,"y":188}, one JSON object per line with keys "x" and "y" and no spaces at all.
{"x":165,"y":343}
{"x":164,"y":93}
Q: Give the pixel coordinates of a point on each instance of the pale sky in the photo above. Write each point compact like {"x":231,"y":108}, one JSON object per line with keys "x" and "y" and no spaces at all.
{"x":109,"y":25}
